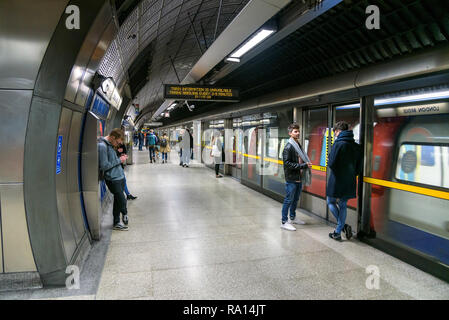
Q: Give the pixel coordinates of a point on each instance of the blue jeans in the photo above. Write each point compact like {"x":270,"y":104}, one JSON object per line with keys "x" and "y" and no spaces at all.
{"x":292,"y":190}
{"x":164,"y":156}
{"x":126,"y":188}
{"x":151,"y":149}
{"x":338,"y":210}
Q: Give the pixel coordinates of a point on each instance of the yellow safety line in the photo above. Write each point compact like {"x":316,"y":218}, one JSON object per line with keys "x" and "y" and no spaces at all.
{"x":273,"y":160}
{"x":405,"y":187}
{"x":319,"y":168}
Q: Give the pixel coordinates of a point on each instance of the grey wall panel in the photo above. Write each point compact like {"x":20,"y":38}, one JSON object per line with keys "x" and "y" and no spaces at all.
{"x":1,"y":237}
{"x":65,"y":220}
{"x":54,"y":74}
{"x":73,"y":192}
{"x":88,"y":49}
{"x":26,"y":28}
{"x":16,"y":243}
{"x":14,"y":108}
{"x":39,"y":188}
{"x":313,"y":204}
{"x":89,"y":165}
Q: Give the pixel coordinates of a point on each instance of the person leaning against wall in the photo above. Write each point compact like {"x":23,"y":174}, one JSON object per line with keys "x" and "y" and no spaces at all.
{"x":112,"y":171}
{"x":297,"y":172}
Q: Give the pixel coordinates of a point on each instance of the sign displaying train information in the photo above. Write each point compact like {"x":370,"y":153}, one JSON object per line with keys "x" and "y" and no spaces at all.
{"x":201,"y":93}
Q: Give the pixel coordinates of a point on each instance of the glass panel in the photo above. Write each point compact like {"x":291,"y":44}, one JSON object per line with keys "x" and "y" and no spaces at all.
{"x":276,"y":137}
{"x":251,"y":126}
{"x":412,"y":149}
{"x":350,"y":114}
{"x":316,"y":134}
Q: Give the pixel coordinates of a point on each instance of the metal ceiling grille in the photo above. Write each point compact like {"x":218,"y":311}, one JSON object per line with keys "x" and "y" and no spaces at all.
{"x":174,"y":30}
{"x":338,"y":42}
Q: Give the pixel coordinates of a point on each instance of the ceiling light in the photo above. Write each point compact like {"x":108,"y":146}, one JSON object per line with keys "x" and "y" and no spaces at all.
{"x":413,"y":98}
{"x":229,"y":59}
{"x":251,"y":43}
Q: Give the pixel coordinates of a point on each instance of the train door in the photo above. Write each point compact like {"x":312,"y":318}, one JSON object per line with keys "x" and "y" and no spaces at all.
{"x":351,"y":114}
{"x":316,"y":134}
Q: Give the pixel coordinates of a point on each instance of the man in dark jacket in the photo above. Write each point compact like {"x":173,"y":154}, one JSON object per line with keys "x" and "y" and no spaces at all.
{"x":113,"y":174}
{"x":295,"y":160}
{"x":345,"y":162}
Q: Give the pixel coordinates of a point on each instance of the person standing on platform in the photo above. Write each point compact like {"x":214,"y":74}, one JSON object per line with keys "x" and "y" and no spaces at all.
{"x":296,"y":171}
{"x":121,"y":150}
{"x":185,"y":148}
{"x":141,"y":138}
{"x":165,"y":147}
{"x":345,"y":163}
{"x":110,"y":166}
{"x":151,"y":144}
{"x":216,"y":153}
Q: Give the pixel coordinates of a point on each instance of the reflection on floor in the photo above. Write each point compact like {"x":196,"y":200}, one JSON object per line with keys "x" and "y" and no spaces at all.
{"x":192,"y":236}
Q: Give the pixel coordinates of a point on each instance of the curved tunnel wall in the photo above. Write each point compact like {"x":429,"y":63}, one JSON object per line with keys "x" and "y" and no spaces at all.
{"x":44,"y":84}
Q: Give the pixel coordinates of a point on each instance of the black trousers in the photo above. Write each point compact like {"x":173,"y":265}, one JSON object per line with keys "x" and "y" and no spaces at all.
{"x":217,"y":168}
{"x":117,"y":188}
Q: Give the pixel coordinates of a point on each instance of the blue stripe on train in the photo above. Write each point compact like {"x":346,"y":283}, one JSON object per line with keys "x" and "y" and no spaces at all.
{"x":420,"y":240}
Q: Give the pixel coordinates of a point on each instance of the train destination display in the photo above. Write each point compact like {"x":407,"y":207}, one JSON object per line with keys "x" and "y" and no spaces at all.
{"x":200,"y":93}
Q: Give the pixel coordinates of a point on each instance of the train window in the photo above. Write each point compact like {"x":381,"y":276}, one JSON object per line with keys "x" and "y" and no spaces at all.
{"x":427,"y":156}
{"x":422,"y":164}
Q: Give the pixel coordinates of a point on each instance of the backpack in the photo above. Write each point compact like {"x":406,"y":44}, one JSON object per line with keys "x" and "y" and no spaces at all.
{"x":163,"y":142}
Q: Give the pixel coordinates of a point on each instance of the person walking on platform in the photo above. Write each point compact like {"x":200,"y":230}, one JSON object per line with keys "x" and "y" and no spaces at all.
{"x":296,"y":171}
{"x":112,"y":171}
{"x":165,"y":147}
{"x":345,"y":163}
{"x":151,"y":144}
{"x":216,"y":153}
{"x":121,"y":150}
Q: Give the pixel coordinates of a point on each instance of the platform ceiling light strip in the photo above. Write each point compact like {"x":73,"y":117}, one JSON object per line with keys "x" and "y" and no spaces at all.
{"x":349,"y":106}
{"x":254,"y":41}
{"x":413,"y":98}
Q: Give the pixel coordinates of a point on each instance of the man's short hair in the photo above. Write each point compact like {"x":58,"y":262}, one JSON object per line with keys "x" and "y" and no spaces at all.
{"x":293,"y":126}
{"x":117,"y":133}
{"x":341,"y":125}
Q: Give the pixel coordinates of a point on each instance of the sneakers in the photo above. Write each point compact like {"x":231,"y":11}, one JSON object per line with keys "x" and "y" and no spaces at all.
{"x":288,"y":226}
{"x":297,"y":221}
{"x":130,"y":197}
{"x":125,"y":219}
{"x":219,"y":176}
{"x":348,"y":231}
{"x":335,"y":236}
{"x":120,"y":227}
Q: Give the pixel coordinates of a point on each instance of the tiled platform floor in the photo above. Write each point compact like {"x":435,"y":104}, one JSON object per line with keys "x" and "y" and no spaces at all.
{"x":193,"y":236}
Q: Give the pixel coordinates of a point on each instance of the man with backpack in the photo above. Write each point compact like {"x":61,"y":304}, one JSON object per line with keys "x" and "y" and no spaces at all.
{"x":112,"y":172}
{"x":151,"y":144}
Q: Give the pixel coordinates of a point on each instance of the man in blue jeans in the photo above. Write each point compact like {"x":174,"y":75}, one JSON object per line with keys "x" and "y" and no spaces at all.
{"x":345,"y":163}
{"x":295,"y":161}
{"x":151,"y":143}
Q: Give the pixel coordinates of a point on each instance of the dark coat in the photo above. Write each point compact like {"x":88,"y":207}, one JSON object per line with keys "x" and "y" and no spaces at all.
{"x":292,"y":167}
{"x":345,"y":163}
